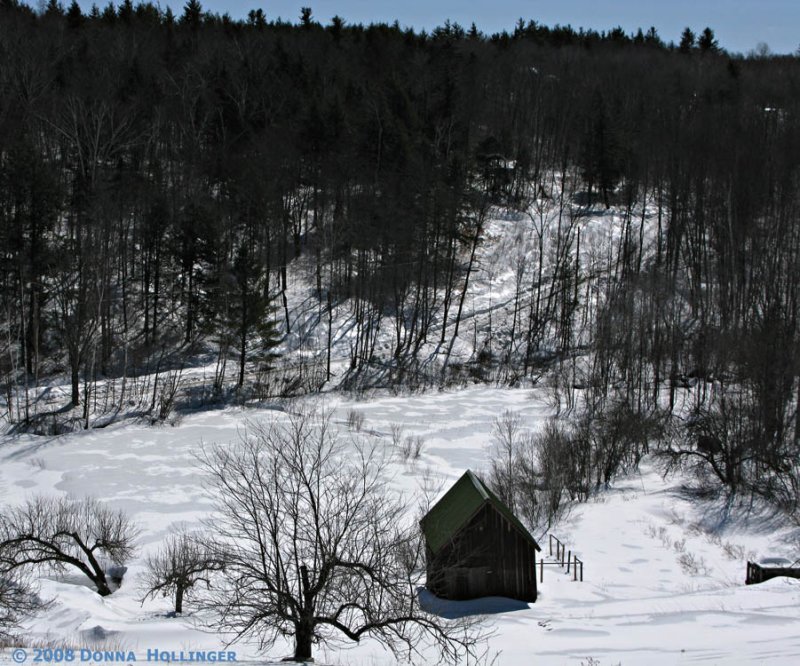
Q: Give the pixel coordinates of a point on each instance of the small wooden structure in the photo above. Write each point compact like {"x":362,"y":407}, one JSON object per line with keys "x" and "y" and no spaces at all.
{"x":476,"y":547}
{"x":758,"y":574}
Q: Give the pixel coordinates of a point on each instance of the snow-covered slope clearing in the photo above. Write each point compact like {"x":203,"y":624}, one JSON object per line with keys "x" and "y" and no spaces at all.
{"x":663,"y":578}
{"x":512,"y":296}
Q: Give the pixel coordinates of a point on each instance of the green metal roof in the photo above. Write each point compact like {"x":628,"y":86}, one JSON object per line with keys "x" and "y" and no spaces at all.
{"x":458,"y":506}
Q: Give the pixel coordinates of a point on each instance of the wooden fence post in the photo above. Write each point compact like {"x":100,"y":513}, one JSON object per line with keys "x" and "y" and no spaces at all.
{"x":541,"y":571}
{"x":569,"y":559}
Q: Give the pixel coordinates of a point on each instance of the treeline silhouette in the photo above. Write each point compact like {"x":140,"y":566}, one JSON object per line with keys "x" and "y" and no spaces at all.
{"x":158,"y":175}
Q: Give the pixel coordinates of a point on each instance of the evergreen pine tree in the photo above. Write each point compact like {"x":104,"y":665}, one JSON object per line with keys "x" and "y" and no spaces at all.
{"x":109,"y":14}
{"x":74,"y":15}
{"x":54,"y":8}
{"x":255,"y":17}
{"x":687,"y":41}
{"x":192,"y":14}
{"x":707,"y":41}
{"x":305,"y":17}
{"x":125,"y":11}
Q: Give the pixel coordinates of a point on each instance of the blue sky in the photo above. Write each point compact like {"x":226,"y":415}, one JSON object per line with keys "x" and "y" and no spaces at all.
{"x":739,"y":24}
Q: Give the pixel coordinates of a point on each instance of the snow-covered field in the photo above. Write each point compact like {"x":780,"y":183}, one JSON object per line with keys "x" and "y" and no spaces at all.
{"x":663,"y":579}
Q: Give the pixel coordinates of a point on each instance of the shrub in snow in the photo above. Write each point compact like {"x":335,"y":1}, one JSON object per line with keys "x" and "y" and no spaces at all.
{"x":396,"y":430}
{"x":534,"y":473}
{"x":693,"y":565}
{"x":18,"y":601}
{"x":355,"y":420}
{"x":412,"y":447}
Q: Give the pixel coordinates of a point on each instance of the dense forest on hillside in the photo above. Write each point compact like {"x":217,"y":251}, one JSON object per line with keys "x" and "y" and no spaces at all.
{"x":160,"y":174}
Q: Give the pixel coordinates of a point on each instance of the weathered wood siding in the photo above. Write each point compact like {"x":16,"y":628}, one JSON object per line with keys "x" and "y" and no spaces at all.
{"x":758,"y":574}
{"x":489,"y":557}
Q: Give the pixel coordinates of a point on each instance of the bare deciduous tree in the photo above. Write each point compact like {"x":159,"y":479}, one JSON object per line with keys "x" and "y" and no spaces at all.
{"x":18,"y":601}
{"x":182,"y":562}
{"x":531,"y":472}
{"x":83,"y":534}
{"x":315,"y":547}
{"x":508,"y":442}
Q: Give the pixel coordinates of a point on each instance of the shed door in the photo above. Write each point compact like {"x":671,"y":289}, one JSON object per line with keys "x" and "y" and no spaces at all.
{"x":462,"y":585}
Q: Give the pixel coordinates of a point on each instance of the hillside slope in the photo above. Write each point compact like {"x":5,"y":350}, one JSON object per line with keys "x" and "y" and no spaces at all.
{"x":663,"y":578}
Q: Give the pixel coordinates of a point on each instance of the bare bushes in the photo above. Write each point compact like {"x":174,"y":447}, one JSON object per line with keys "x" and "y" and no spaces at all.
{"x":692,"y":564}
{"x":412,"y":447}
{"x":537,"y":473}
{"x":355,"y":420}
{"x":396,"y":431}
{"x":732,"y":446}
{"x":715,"y":439}
{"x":18,"y":601}
{"x":165,"y":395}
{"x":689,"y":562}
{"x":288,"y":377}
{"x":409,"y":447}
{"x":531,"y":472}
{"x":613,"y":437}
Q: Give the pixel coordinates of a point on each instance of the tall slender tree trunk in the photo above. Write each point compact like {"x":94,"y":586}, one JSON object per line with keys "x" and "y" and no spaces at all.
{"x":473,"y":252}
{"x":243,"y":339}
{"x":330,"y":338}
{"x":75,"y":380}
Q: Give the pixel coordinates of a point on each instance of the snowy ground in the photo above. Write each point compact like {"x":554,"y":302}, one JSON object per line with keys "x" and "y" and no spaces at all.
{"x":664,"y":576}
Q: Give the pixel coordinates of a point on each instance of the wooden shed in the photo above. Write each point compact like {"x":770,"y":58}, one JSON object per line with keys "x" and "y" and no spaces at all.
{"x":476,"y":547}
